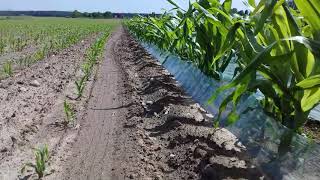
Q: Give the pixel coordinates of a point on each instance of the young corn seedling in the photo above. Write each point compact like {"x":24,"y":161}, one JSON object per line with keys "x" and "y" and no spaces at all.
{"x":80,"y":85}
{"x":91,"y":56}
{"x":2,"y":46}
{"x":86,"y":68}
{"x":41,"y":54}
{"x":41,"y":159}
{"x":7,"y":68}
{"x":28,"y":61}
{"x":69,"y":112}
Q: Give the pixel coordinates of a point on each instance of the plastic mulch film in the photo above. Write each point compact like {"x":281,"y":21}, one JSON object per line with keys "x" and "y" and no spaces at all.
{"x":275,"y":150}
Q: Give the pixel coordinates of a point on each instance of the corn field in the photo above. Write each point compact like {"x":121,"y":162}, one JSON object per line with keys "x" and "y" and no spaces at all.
{"x":41,"y":37}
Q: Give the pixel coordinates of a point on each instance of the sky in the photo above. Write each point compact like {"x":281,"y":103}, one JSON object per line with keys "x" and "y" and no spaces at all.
{"x":124,"y":6}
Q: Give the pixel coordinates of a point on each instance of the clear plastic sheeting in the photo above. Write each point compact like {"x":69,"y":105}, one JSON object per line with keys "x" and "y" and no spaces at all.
{"x":275,"y":150}
{"x":315,"y":114}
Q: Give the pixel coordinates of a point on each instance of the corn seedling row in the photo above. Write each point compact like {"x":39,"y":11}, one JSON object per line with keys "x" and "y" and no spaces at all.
{"x":92,"y":56}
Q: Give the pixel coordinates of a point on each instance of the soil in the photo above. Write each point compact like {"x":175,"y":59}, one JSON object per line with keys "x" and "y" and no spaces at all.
{"x":135,"y":122}
{"x":312,"y":130}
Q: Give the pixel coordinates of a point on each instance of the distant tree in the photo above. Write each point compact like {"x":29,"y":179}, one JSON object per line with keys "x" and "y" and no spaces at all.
{"x":241,"y":13}
{"x":107,"y":14}
{"x":86,"y":14}
{"x":76,"y":14}
{"x":97,"y":15}
{"x":234,"y":10}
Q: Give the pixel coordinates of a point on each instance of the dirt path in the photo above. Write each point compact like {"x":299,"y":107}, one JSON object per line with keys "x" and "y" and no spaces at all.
{"x":100,"y":136}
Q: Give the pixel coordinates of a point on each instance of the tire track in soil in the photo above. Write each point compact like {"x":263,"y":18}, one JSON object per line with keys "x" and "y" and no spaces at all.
{"x":141,"y":125}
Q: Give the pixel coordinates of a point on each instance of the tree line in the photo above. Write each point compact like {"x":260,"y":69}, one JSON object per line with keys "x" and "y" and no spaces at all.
{"x":95,"y":15}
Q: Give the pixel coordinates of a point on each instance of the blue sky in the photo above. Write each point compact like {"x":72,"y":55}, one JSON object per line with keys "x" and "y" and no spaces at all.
{"x":97,"y":5}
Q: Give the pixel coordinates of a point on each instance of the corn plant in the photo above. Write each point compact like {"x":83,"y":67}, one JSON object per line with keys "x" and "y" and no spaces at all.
{"x":86,"y":68}
{"x":41,"y":159}
{"x":7,"y":68}
{"x":80,"y":85}
{"x":69,"y":113}
{"x":27,"y":61}
{"x":19,"y":44}
{"x":2,"y":46}
{"x":41,"y":54}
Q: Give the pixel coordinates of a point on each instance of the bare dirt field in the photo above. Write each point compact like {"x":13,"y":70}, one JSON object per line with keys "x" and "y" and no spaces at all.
{"x":134,"y":122}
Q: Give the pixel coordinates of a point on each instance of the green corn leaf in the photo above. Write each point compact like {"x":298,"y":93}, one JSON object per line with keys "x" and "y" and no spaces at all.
{"x":213,"y":10}
{"x":266,"y":87}
{"x":232,"y":118}
{"x":252,"y":41}
{"x":310,"y":99}
{"x":273,"y":71}
{"x":310,"y":9}
{"x":304,"y":61}
{"x":260,"y":58}
{"x":174,"y":4}
{"x":280,"y":22}
{"x":212,"y":19}
{"x":252,"y":3}
{"x":224,"y":104}
{"x":227,"y":5}
{"x":310,"y":82}
{"x":214,"y":3}
{"x":226,"y":62}
{"x":227,"y":45}
{"x":312,"y":45}
{"x":260,"y":7}
{"x":266,"y":13}
{"x":241,"y":88}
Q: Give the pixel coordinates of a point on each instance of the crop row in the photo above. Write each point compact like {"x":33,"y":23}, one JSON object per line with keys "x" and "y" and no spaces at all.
{"x":275,"y":47}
